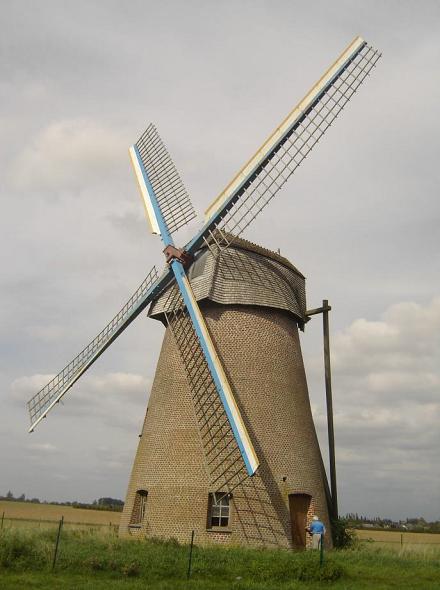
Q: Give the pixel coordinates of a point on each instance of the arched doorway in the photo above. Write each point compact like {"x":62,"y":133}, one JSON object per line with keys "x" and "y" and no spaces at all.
{"x":299,"y":505}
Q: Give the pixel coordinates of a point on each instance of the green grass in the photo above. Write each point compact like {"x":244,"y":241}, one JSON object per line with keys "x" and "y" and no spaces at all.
{"x":87,"y":560}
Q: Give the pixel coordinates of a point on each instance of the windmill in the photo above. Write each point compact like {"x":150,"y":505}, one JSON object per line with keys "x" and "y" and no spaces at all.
{"x":228,"y":444}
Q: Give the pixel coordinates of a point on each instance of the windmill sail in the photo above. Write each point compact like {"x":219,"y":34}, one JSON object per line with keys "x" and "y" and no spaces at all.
{"x":159,"y":211}
{"x":153,"y":165}
{"x":41,"y":403}
{"x":279,"y":157}
{"x":148,"y":153}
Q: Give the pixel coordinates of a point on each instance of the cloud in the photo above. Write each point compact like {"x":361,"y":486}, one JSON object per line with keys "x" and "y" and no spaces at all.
{"x":43,"y":448}
{"x":127,"y":384}
{"x":117,"y":399}
{"x":67,"y":155}
{"x":113,"y":459}
{"x":387,"y":400}
{"x":23,"y":388}
{"x":391,"y":364}
{"x":397,"y":381}
{"x":46,"y":333}
{"x":408,"y":335}
{"x":360,"y":219}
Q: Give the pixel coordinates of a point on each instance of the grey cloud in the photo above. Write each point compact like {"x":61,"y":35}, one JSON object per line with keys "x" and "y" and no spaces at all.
{"x":387,"y":399}
{"x":360,"y":218}
{"x":66,"y":156}
{"x":24,"y":387}
{"x":115,"y":399}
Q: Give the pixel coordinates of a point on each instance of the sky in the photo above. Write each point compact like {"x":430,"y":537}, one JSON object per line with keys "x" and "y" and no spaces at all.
{"x":80,"y":82}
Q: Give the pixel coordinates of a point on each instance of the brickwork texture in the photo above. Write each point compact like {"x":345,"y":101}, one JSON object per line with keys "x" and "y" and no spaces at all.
{"x":260,"y":351}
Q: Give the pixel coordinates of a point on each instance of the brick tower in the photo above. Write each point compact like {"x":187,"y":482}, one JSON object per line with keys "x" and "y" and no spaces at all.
{"x":254,"y":323}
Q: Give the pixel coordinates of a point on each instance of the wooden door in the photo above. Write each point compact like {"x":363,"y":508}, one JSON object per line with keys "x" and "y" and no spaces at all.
{"x":299,"y":506}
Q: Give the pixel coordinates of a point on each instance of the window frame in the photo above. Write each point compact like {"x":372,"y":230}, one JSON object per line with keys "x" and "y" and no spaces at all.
{"x":139,"y":508}
{"x":219,"y":509}
{"x":198,"y":267}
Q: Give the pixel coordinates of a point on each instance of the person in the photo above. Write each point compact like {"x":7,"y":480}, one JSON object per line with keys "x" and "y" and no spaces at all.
{"x":317,"y":530}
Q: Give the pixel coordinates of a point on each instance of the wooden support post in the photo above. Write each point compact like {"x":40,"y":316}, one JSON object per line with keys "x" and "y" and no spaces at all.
{"x":3,"y":518}
{"x":329,"y":399}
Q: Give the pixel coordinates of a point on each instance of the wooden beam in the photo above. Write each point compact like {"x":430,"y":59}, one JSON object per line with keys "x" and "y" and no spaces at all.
{"x":329,"y":400}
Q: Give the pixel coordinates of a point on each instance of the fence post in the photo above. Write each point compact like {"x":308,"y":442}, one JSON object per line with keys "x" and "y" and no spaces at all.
{"x":190,"y":555}
{"x":321,"y":550}
{"x":401,"y":539}
{"x":60,"y":526}
{"x":3,"y":518}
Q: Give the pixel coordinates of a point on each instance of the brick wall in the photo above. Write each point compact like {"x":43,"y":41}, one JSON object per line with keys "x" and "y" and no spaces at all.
{"x":260,"y":350}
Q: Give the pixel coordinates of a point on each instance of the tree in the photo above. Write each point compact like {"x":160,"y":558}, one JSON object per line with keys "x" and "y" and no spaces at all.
{"x":110,"y":502}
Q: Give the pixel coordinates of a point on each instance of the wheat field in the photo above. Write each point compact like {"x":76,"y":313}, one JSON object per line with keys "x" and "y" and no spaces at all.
{"x":51,"y":513}
{"x":399,"y":537}
{"x":424,"y":545}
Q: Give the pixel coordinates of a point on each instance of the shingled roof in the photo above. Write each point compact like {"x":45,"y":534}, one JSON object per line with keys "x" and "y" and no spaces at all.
{"x":243,"y":274}
{"x":252,"y":247}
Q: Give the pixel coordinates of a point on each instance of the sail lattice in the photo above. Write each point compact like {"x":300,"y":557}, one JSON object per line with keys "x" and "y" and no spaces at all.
{"x":291,"y":151}
{"x":169,"y":190}
{"x":43,"y":401}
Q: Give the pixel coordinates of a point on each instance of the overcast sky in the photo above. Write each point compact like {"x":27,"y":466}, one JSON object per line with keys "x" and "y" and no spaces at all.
{"x":79,"y":83}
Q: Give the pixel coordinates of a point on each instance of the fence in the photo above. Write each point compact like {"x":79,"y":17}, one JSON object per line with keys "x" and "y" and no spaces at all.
{"x":44,"y":523}
{"x":398,"y":539}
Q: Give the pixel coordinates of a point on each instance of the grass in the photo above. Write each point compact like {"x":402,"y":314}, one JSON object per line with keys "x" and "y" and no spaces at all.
{"x":87,"y":560}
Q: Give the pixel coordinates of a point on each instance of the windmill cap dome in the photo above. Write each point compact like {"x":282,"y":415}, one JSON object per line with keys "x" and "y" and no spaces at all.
{"x":243,"y":244}
{"x":242,"y":274}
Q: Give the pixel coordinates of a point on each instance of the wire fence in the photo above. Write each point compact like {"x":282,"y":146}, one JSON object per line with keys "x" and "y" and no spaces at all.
{"x":397,"y":538}
{"x":110,"y":527}
{"x":402,"y":542}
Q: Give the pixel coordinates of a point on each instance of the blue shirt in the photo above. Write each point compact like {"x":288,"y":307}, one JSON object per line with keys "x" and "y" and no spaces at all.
{"x":317,"y":527}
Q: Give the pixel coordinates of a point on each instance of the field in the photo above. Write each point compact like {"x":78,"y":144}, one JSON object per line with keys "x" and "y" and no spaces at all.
{"x":48,"y":515}
{"x":420,"y":542}
{"x":91,"y":556}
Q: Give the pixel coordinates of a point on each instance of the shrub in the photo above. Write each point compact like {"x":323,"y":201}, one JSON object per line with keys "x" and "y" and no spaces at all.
{"x":131,"y":569}
{"x":95,"y":563}
{"x":21,"y":550}
{"x":311,"y":571}
{"x":343,"y":536}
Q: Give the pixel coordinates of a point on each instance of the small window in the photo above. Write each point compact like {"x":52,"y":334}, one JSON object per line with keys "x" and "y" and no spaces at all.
{"x":219,"y":509}
{"x":197,"y":268}
{"x":139,"y":507}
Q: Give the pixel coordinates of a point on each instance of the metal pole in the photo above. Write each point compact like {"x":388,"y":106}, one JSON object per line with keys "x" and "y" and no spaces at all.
{"x":328,"y":395}
{"x":57,"y":542}
{"x":321,"y":550}
{"x":190,"y":555}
